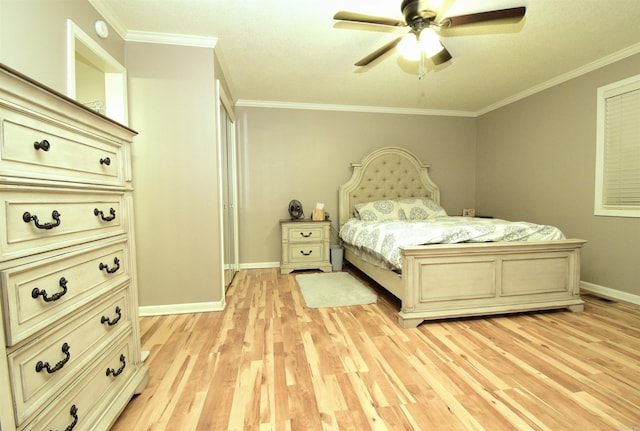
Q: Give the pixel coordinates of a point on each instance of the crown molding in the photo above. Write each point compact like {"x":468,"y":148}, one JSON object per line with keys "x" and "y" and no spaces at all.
{"x":351,"y":108}
{"x":604,"y":61}
{"x":210,"y":42}
{"x":127,"y":35}
{"x":172,"y":39}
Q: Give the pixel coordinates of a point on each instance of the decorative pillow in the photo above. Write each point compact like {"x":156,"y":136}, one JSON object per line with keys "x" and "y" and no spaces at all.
{"x":421,"y":208}
{"x":380,"y":211}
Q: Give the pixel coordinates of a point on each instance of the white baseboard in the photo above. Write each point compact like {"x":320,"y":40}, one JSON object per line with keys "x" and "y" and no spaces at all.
{"x":258,"y":265}
{"x":197,"y":307}
{"x":607,"y":292}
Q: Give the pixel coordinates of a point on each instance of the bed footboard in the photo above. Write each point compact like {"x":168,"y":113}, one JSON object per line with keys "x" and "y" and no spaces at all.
{"x":457,"y":280}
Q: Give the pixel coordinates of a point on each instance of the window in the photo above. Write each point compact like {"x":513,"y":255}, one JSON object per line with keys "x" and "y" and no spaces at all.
{"x":618,"y":149}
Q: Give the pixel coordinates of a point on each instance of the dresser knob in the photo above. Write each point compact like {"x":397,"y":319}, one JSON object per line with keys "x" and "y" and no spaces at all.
{"x":306,"y":235}
{"x":110,"y":322}
{"x":74,"y":414}
{"x":104,"y":266}
{"x":116,"y":373}
{"x":27,"y":217}
{"x":42,"y":145}
{"x":46,"y":366}
{"x":307,"y":253}
{"x":37,"y":292}
{"x":98,"y":212}
{"x":105,"y":161}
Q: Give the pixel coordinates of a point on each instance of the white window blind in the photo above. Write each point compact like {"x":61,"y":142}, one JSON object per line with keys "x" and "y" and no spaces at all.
{"x":618,"y":149}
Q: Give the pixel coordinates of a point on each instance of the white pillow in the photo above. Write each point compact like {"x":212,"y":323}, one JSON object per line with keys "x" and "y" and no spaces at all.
{"x":382,"y":210}
{"x":421,"y":208}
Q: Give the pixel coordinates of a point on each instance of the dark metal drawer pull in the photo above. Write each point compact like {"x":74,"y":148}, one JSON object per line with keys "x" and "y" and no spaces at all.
{"x":105,"y":161}
{"x":98,"y":212}
{"x":306,"y":235}
{"x":110,"y":322}
{"x":46,"y":366}
{"x":104,"y":266}
{"x":116,"y":373}
{"x":27,"y":217}
{"x":306,"y":254}
{"x":74,"y":414}
{"x":37,"y":292}
{"x":42,"y":145}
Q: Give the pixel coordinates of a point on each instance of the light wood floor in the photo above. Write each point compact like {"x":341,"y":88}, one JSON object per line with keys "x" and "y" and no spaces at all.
{"x":269,"y":363}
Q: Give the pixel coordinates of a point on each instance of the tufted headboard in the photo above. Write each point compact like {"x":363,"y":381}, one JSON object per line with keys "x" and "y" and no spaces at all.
{"x":386,"y":173}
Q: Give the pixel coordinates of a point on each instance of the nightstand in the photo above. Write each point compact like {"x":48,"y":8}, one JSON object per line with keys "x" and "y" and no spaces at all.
{"x":305,"y":245}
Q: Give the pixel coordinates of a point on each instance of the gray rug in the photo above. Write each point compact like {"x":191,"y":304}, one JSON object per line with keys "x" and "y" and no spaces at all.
{"x":334,"y":289}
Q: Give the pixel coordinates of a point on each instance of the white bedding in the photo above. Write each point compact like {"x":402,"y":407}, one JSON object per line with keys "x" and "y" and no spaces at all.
{"x":384,"y":238}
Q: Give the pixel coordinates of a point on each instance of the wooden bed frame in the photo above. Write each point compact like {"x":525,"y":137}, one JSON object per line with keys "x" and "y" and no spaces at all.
{"x":456,"y":280}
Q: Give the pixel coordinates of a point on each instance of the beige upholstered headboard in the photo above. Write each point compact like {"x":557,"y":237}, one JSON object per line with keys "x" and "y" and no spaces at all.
{"x":386,"y":173}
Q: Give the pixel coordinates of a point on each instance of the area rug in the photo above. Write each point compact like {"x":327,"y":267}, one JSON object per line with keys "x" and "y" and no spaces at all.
{"x":334,"y":289}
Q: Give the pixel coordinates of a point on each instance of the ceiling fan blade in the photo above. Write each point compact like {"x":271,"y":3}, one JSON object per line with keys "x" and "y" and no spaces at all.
{"x":368,"y":19}
{"x":493,"y":15}
{"x":441,"y":57}
{"x":379,"y":52}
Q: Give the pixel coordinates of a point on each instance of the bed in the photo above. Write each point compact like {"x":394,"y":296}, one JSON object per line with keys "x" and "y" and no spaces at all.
{"x":438,"y":281}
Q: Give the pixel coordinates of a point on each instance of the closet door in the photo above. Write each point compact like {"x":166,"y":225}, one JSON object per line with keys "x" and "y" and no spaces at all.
{"x":228,"y":186}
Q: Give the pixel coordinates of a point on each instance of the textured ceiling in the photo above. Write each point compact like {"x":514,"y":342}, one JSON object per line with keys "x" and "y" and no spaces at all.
{"x":292,"y":51}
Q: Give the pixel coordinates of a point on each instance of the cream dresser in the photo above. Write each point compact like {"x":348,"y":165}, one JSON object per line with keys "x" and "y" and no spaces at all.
{"x":71,"y":356}
{"x":305,"y":245}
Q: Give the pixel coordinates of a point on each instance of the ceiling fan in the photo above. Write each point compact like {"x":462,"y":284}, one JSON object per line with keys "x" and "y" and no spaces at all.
{"x":422,"y":21}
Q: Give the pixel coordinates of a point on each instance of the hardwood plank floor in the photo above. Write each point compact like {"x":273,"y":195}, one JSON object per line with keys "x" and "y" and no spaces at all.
{"x":269,"y":363}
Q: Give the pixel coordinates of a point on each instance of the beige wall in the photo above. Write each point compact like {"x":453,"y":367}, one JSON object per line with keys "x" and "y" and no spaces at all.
{"x":172,"y":106}
{"x":534,"y":158}
{"x":536,"y":161}
{"x":171,"y":97}
{"x":33,"y":37}
{"x":289,"y":154}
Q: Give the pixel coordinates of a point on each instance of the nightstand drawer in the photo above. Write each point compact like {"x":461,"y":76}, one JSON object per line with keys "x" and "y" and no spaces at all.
{"x":35,"y":149}
{"x":306,"y":252}
{"x":40,"y":293}
{"x":37,"y":220}
{"x":305,"y":233}
{"x":305,"y":245}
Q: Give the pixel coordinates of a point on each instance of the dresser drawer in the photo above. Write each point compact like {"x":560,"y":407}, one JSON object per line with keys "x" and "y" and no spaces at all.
{"x":91,"y":394}
{"x":42,"y":368}
{"x":305,"y":233}
{"x":32,"y":148}
{"x":35,"y":220}
{"x":38,"y":294}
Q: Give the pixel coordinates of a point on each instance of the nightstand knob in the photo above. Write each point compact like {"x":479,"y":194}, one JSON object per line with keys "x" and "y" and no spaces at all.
{"x":306,"y":235}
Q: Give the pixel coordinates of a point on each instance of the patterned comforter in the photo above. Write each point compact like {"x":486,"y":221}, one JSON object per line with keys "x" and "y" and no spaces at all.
{"x":384,"y":238}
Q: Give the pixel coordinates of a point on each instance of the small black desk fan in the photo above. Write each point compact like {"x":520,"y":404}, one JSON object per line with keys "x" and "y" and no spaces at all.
{"x":295,"y":210}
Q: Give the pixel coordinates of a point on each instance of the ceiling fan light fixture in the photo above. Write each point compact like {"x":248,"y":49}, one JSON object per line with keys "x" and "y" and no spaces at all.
{"x":430,"y":43}
{"x":409,"y":48}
